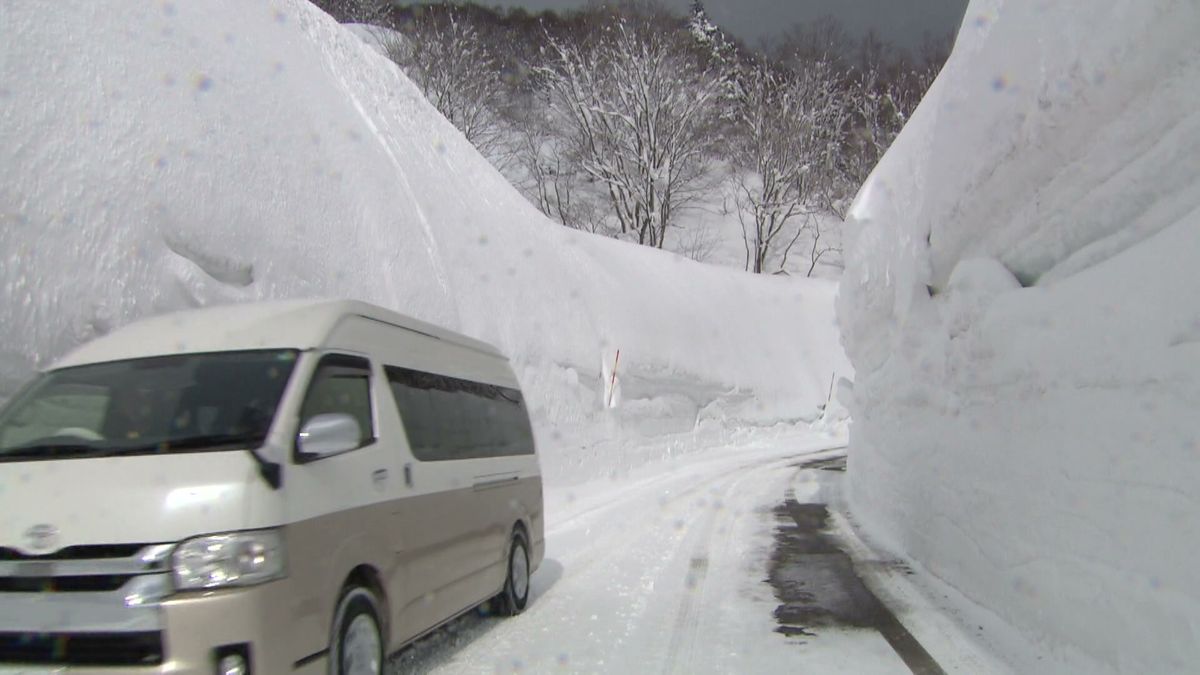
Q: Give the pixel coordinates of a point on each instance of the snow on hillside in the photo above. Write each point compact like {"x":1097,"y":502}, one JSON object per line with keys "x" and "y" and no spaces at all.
{"x":376,"y":37}
{"x":1022,"y":306}
{"x":170,"y":155}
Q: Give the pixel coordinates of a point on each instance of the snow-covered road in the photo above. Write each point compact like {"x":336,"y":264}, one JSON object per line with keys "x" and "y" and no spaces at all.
{"x":660,"y":571}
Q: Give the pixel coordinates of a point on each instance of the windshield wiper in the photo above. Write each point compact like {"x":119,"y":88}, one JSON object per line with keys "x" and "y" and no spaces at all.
{"x":52,"y":451}
{"x":169,"y":445}
{"x":270,"y":471}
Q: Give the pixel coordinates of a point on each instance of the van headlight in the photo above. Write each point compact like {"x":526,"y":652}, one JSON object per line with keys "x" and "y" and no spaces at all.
{"x":223,"y":560}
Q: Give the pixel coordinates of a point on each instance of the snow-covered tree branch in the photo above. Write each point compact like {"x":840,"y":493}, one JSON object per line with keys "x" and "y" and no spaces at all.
{"x":786,"y":139}
{"x":623,"y":117}
{"x":638,"y":108}
{"x":458,"y":72}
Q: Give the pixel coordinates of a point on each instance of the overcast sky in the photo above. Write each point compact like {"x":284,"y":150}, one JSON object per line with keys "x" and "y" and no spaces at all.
{"x":902,"y":22}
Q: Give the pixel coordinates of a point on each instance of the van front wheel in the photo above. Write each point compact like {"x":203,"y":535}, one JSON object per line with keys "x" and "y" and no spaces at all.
{"x":357,"y":642}
{"x":515,"y":596}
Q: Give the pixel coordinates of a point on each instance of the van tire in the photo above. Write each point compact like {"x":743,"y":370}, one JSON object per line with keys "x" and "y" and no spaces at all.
{"x":512,"y":600}
{"x":357,"y":644}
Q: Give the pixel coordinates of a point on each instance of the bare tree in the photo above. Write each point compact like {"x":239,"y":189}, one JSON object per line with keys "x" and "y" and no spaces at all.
{"x":822,"y":238}
{"x":877,"y":103}
{"x":873,"y":53}
{"x":637,"y":105}
{"x":934,"y":51}
{"x":818,"y":248}
{"x":700,"y":242}
{"x":824,"y":39}
{"x":787,"y":138}
{"x":446,"y":57}
{"x":550,"y":176}
{"x":373,"y":12}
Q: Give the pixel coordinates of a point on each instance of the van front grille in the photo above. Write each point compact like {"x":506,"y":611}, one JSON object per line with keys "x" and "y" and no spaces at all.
{"x":82,"y":649}
{"x":111,"y":566}
{"x":92,"y":552}
{"x":81,"y":584}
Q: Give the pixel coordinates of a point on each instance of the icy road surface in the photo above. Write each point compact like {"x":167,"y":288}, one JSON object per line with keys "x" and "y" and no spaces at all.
{"x":661,"y":571}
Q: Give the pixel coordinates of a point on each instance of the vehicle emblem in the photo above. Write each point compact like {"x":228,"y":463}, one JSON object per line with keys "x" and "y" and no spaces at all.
{"x":42,"y":537}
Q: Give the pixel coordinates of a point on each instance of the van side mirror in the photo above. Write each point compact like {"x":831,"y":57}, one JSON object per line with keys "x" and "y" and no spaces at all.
{"x":328,"y":434}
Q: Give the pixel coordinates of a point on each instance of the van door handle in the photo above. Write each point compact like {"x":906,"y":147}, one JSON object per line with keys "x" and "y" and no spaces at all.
{"x":379,"y":476}
{"x":495,"y":483}
{"x":408,"y":475}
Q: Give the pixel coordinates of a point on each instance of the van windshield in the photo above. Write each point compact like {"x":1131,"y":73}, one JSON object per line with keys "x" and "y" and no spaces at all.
{"x":177,"y":403}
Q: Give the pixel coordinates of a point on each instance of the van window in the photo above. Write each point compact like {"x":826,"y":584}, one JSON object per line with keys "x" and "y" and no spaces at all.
{"x":78,"y":406}
{"x":341,"y":384}
{"x":447,"y":418}
{"x":159,"y":404}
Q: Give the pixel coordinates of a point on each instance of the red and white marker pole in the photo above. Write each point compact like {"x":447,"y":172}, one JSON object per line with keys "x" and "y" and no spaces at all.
{"x":612,"y":382}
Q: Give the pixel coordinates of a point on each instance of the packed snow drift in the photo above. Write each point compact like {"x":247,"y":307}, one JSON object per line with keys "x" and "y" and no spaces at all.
{"x":1022,"y":306}
{"x":175,"y":154}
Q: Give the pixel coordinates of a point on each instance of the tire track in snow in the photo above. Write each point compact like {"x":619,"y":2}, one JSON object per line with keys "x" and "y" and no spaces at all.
{"x":704,"y":550}
{"x":681,"y":648}
{"x":641,"y":572}
{"x":632,"y":501}
{"x":652,"y":618}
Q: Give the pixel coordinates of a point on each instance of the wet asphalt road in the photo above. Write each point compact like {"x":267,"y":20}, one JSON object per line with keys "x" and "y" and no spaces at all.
{"x":818,"y":587}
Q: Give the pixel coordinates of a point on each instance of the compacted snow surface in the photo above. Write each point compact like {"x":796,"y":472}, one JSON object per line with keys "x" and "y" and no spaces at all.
{"x":1021,"y":305}
{"x":661,"y":571}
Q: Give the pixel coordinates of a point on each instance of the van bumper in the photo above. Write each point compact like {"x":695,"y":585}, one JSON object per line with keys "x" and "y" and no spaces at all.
{"x":197,"y":625}
{"x":258,"y":617}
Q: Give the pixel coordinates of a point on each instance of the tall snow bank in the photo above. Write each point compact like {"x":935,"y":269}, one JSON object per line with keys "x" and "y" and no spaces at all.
{"x":1021,"y":304}
{"x":156,"y":156}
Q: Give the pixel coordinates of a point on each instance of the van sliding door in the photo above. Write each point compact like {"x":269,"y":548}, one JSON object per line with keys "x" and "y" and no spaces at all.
{"x":471,"y":441}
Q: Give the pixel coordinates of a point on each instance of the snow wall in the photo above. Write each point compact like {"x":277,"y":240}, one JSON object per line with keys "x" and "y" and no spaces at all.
{"x":1022,"y":306}
{"x":163,"y":155}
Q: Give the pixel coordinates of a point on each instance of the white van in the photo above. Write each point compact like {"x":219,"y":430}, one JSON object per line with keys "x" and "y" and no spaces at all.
{"x":264,"y":488}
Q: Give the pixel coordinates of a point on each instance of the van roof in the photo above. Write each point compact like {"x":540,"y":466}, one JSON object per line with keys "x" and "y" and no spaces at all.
{"x":286,"y":324}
